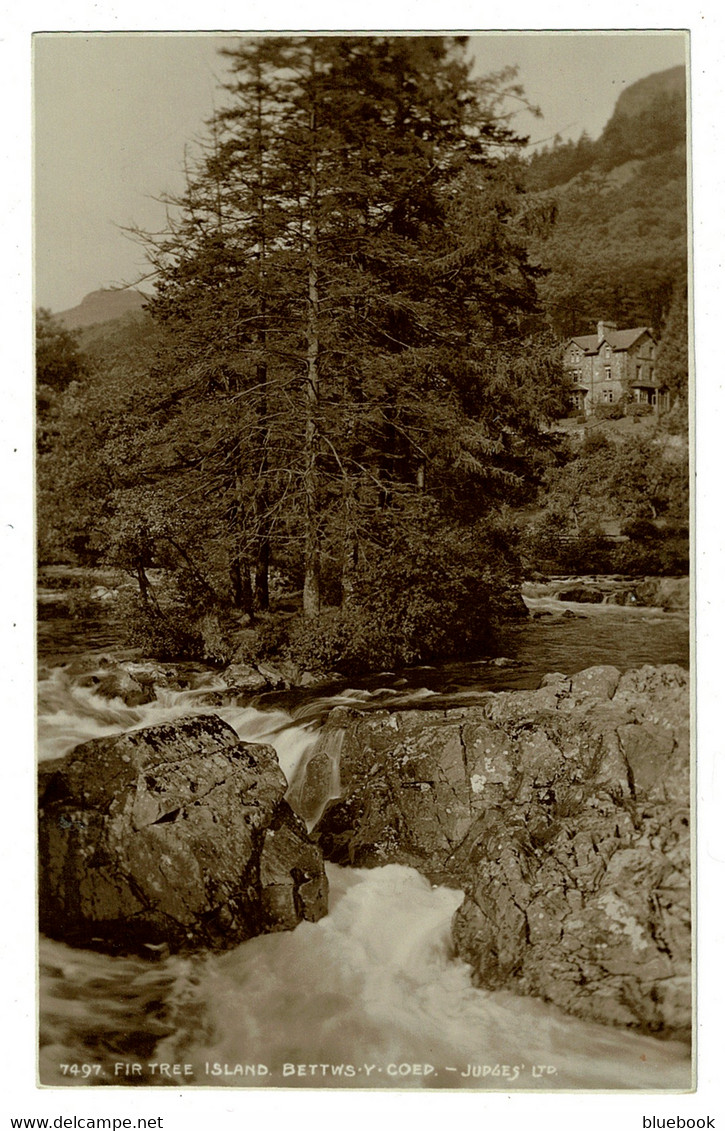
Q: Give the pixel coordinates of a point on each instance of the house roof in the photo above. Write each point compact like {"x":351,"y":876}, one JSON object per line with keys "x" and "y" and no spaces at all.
{"x":617,"y":339}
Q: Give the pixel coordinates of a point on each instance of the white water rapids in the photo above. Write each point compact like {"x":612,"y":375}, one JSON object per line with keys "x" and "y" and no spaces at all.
{"x":371,"y":996}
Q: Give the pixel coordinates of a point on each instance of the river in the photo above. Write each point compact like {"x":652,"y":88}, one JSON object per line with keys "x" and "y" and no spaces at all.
{"x":371,"y":996}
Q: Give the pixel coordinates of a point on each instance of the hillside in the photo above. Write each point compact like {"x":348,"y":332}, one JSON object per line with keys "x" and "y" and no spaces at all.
{"x":102,"y":306}
{"x":638,"y":97}
{"x":618,"y":249}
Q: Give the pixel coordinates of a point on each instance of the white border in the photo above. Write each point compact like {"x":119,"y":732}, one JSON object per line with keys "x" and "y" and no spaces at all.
{"x":228,"y":1107}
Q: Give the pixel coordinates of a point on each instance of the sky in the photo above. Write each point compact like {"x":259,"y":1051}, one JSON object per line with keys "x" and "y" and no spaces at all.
{"x":115,"y":113}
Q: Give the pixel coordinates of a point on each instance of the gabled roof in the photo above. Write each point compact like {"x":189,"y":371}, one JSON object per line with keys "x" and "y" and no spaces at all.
{"x":617,"y":339}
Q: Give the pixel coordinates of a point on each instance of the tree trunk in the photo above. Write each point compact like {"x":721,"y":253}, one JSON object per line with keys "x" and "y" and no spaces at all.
{"x":350,"y":538}
{"x":239,"y":571}
{"x":311,"y":592}
{"x":261,"y":499}
{"x":261,"y":502}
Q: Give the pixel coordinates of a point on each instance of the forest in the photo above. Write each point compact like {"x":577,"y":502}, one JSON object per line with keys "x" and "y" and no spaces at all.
{"x":328,"y":437}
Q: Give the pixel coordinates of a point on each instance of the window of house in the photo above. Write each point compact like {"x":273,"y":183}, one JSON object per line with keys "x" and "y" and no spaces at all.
{"x":608,"y":396}
{"x":607,"y":373}
{"x":639,"y":372}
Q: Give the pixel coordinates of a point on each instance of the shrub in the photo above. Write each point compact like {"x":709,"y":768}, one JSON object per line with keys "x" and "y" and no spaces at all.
{"x":172,"y":625}
{"x":661,"y":557}
{"x":336,"y":640}
{"x":609,"y":411}
{"x":642,"y":529}
{"x":637,"y":410}
{"x":216,"y":632}
{"x":165,"y":634}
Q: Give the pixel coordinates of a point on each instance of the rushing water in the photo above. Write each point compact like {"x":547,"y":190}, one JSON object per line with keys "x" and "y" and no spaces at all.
{"x":371,"y":996}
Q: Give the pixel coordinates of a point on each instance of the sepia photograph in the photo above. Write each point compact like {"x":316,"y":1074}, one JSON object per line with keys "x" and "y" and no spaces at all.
{"x":364,"y":419}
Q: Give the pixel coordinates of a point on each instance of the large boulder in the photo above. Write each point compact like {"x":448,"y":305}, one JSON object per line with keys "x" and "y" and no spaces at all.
{"x":668,"y":593}
{"x":562,"y":813}
{"x":175,"y":834}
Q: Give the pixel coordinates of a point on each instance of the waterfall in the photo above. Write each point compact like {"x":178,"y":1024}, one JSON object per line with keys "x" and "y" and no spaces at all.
{"x":368,"y":997}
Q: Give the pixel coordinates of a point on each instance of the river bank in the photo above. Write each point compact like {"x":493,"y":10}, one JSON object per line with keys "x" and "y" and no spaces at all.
{"x":77,"y":611}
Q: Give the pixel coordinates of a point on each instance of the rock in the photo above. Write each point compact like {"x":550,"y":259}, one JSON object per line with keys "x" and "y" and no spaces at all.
{"x":120,"y":684}
{"x":289,"y":671}
{"x":132,"y":681}
{"x":147,"y":673}
{"x":556,"y":678}
{"x":318,"y":679}
{"x":276,"y":680}
{"x":582,"y":594}
{"x":598,"y":682}
{"x":561,"y":812}
{"x":176,"y":834}
{"x":103,"y":594}
{"x":668,"y":593}
{"x":243,"y":677}
{"x":622,"y":597}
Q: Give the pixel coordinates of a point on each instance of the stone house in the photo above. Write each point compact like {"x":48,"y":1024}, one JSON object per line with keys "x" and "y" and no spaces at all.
{"x":614,"y":366}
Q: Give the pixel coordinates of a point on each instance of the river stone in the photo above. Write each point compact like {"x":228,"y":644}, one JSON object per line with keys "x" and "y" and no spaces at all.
{"x":561,"y":812}
{"x":121,"y":684}
{"x":243,"y":677}
{"x":669,"y":593}
{"x":582,"y":594}
{"x":175,"y":834}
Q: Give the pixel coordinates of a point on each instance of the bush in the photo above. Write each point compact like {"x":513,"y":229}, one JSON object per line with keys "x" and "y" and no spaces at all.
{"x":637,"y":410}
{"x":429,"y":595}
{"x":608,"y":411}
{"x":217,"y":632}
{"x":172,"y":627}
{"x":166,"y":634}
{"x":661,"y":557}
{"x":336,"y":640}
{"x":642,"y":529}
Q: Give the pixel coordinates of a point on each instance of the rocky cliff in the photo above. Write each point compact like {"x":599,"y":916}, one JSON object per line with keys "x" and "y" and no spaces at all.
{"x":563,"y":813}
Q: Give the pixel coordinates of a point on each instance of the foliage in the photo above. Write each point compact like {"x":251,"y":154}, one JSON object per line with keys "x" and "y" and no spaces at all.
{"x":559,"y":163}
{"x":619,"y":480}
{"x":165,"y":635}
{"x":169,"y":623}
{"x":618,"y":249}
{"x":636,"y":483}
{"x":92,"y":440}
{"x":673,"y":352}
{"x":58,"y":356}
{"x":610,"y":411}
{"x":341,"y":293}
{"x":426,"y":595}
{"x":553,"y":548}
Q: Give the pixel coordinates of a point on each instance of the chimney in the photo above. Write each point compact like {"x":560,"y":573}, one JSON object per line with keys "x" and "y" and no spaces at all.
{"x":602,"y":328}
